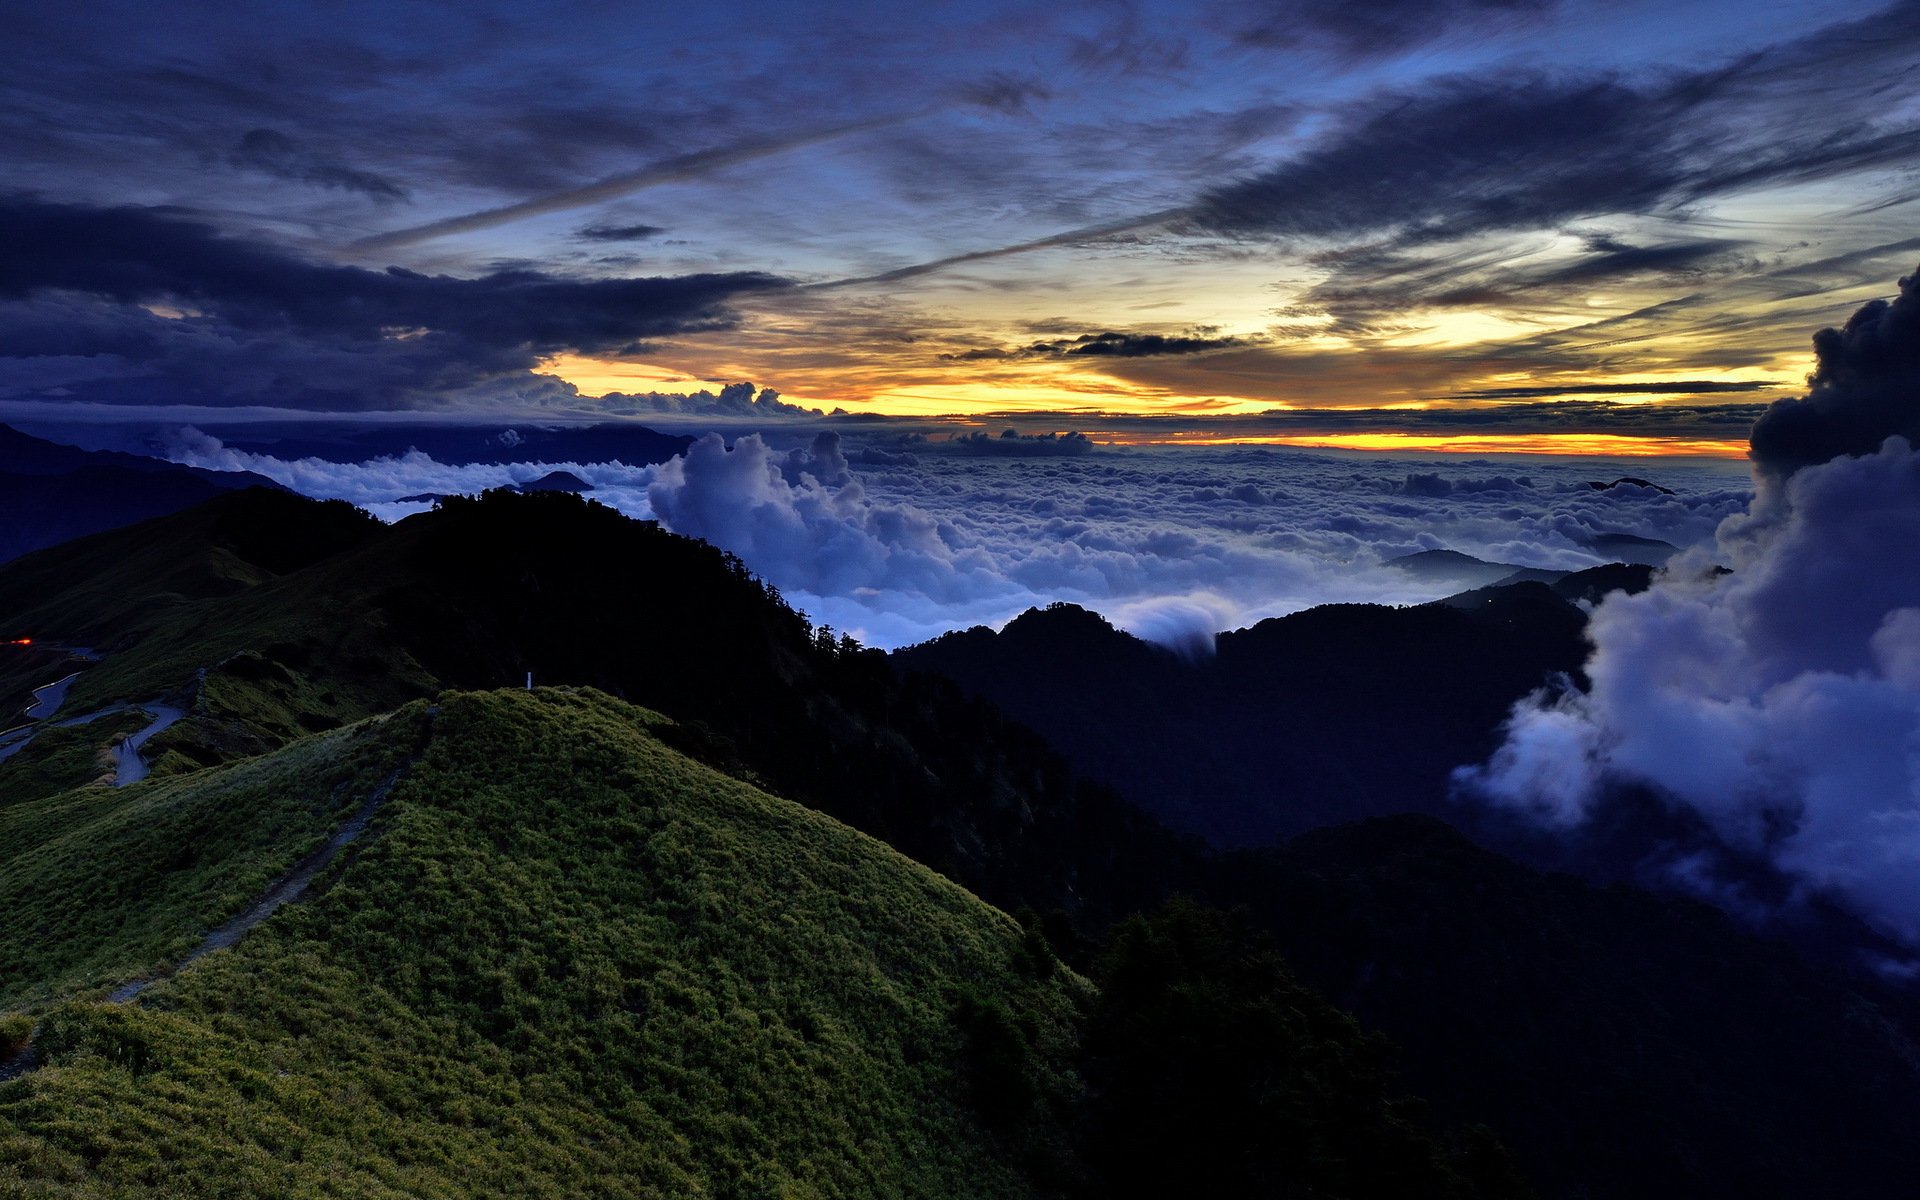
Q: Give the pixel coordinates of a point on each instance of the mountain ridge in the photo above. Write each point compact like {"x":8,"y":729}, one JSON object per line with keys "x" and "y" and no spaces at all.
{"x":478,"y":592}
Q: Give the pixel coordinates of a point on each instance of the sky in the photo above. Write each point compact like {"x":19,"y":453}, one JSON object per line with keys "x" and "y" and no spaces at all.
{"x":1194,"y":313}
{"x":1539,"y":225}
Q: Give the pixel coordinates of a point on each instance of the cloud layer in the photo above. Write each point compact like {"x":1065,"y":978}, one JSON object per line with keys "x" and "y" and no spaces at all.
{"x":1780,"y":702}
{"x":899,"y":540}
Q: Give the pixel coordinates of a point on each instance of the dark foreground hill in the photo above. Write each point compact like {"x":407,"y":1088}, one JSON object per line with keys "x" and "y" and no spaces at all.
{"x":1615,"y":1041}
{"x":280,"y":617}
{"x":565,"y":960}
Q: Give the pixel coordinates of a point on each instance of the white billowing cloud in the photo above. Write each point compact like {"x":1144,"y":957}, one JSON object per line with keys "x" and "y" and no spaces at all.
{"x":379,"y":485}
{"x":803,"y":521}
{"x":1780,"y":702}
{"x":1173,"y":544}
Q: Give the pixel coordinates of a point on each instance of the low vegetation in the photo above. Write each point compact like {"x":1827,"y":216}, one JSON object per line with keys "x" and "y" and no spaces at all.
{"x":570,"y":961}
{"x":100,"y":884}
{"x":60,"y":758}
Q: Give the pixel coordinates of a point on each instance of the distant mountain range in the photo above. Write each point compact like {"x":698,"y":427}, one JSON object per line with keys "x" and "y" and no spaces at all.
{"x":1329,"y":715}
{"x":53,"y":493}
{"x":1451,"y":568}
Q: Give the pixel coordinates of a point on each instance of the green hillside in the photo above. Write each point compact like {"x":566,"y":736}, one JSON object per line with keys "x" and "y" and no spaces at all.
{"x":270,"y":618}
{"x":307,"y":644}
{"x":568,"y":962}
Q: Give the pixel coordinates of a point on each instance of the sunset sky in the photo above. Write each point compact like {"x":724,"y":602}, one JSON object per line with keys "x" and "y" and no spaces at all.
{"x":1153,"y":221}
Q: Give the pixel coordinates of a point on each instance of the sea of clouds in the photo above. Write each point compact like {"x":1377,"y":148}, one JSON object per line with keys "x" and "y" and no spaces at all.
{"x":897,"y":541}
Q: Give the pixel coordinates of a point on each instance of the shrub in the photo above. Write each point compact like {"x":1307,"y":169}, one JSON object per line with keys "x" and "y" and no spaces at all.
{"x":15,"y":1029}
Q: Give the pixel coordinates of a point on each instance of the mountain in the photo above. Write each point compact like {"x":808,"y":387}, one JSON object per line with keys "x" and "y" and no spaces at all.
{"x":215,"y":609}
{"x":1452,"y":568}
{"x":1601,"y":485}
{"x":308,"y":647}
{"x":555,"y":481}
{"x":1328,"y":715}
{"x":72,"y":492}
{"x":1577,"y":587}
{"x":1656,"y":1020}
{"x":1632,"y":548}
{"x":554,"y":957}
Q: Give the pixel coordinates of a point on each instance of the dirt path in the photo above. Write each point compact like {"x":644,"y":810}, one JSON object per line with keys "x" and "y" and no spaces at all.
{"x":286,"y":889}
{"x":290,"y":886}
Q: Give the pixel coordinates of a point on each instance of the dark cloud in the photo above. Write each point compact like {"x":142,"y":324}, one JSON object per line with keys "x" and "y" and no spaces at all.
{"x":1517,"y":151}
{"x":279,"y":155}
{"x":741,"y":400}
{"x":1007,"y":93}
{"x":1472,"y":155}
{"x":1865,"y":389}
{"x":617,"y":233}
{"x":1128,"y":45}
{"x":1610,"y":258}
{"x":1669,"y":419}
{"x":1512,"y":152}
{"x":1011,"y":443}
{"x":677,"y":168}
{"x":1084,"y":235}
{"x":1372,"y":30}
{"x":1144,"y":345}
{"x":1372,"y":287}
{"x":1674,"y":387}
{"x":1107,"y":344}
{"x":227,"y":319}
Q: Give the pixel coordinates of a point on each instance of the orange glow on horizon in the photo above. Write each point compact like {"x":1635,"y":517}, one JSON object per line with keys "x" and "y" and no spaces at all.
{"x":1087,"y":401}
{"x":599,"y":376}
{"x":1584,"y":444}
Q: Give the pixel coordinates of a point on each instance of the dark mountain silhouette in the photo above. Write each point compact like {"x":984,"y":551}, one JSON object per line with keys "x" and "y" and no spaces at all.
{"x":1599,"y":485}
{"x":1504,"y":983}
{"x":1632,"y":548}
{"x":1578,"y":587}
{"x":1573,"y":1019}
{"x":552,"y":481}
{"x":1452,"y":568}
{"x":481,"y":592}
{"x":1329,"y":715}
{"x":54,"y":493}
{"x":556,"y":481}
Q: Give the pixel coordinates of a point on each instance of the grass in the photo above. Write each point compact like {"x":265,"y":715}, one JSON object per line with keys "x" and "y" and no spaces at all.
{"x":102,"y":884}
{"x":59,"y":759}
{"x":572,"y":962}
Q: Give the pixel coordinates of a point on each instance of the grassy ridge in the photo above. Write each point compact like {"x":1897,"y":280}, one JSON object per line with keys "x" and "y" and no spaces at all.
{"x":98,"y":885}
{"x":573,"y":963}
